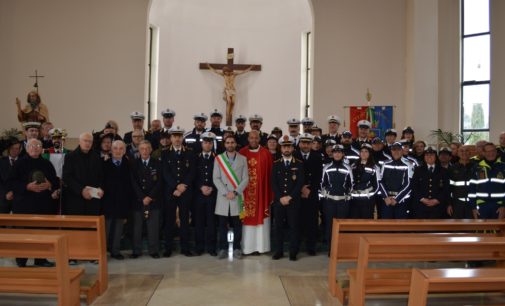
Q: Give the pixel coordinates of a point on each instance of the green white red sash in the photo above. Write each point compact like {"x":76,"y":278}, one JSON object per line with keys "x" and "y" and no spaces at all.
{"x":225,"y":166}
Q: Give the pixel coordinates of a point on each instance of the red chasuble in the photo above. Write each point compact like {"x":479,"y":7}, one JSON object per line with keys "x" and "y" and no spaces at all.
{"x":258,"y":194}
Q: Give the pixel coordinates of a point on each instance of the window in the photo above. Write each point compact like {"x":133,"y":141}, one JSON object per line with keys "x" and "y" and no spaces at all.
{"x":475,"y":69}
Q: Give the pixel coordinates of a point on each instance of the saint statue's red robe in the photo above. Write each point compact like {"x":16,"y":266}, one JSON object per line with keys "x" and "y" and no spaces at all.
{"x":258,"y":195}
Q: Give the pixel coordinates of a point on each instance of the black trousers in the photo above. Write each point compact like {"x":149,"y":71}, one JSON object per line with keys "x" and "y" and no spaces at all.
{"x":334,"y":210}
{"x":223,"y":232}
{"x":309,"y":219}
{"x":153,"y":231}
{"x":461,"y":210}
{"x":114,"y":232}
{"x":205,"y":222}
{"x":290,"y":214}
{"x":183,"y":203}
{"x":362,"y":208}
{"x":5,"y":206}
{"x":424,"y":212}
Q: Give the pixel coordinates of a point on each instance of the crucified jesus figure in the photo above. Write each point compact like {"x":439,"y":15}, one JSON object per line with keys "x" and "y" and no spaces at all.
{"x":229,"y":87}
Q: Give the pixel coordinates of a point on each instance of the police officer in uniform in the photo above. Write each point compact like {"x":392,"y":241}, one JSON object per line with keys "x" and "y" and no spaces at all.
{"x":178,"y":165}
{"x":336,"y":185}
{"x":333,"y":125}
{"x":146,"y":176}
{"x":313,"y":169}
{"x":241,"y":135}
{"x":390,"y":139}
{"x":294,"y":129}
{"x":328,"y":151}
{"x":365,"y":173}
{"x":379,"y":154}
{"x":460,"y":174}
{"x":205,"y":202}
{"x":168,"y":121}
{"x":138,"y":124}
{"x":216,"y":117}
{"x":430,"y":187}
{"x":351,"y":153}
{"x":192,"y":138}
{"x":256,"y":121}
{"x":307,"y":124}
{"x":287,"y":182}
{"x":487,"y":185}
{"x":395,"y":185}
{"x":363,"y":134}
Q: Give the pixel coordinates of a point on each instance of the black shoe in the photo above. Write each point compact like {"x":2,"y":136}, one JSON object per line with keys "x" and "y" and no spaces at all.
{"x":167,"y":254}
{"x":43,"y":263}
{"x":292,"y":257}
{"x":155,"y":255}
{"x":277,"y":256}
{"x":311,"y":253}
{"x":212,"y":253}
{"x":134,"y":256}
{"x":198,"y":253}
{"x":187,"y":253}
{"x":256,"y":253}
{"x":117,"y":256}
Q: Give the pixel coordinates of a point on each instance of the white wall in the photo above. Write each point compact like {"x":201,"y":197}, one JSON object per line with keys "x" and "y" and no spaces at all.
{"x":359,"y":44}
{"x":261,"y":31}
{"x":91,"y":52}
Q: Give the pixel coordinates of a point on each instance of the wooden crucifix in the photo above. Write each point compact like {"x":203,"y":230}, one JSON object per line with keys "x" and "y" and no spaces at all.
{"x":229,"y":71}
{"x":36,"y":76}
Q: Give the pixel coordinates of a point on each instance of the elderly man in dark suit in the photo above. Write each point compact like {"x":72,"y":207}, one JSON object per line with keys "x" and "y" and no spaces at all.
{"x":82,"y":179}
{"x":147,"y":186}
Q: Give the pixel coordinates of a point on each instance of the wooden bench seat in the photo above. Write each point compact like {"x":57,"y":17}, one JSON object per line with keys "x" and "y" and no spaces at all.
{"x":453,"y":281}
{"x":414,"y":249}
{"x":347,"y":232}
{"x":60,"y":280}
{"x":86,"y":241}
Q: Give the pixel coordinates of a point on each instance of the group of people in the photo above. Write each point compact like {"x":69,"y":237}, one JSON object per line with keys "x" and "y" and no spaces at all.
{"x":164,"y":180}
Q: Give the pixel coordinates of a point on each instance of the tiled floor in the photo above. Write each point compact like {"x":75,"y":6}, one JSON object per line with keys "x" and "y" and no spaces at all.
{"x":254,"y":280}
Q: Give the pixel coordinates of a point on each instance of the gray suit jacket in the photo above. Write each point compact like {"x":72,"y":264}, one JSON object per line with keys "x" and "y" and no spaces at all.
{"x":223,"y":185}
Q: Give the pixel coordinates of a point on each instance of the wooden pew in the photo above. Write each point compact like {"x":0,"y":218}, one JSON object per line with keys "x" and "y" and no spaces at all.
{"x":59,"y":280}
{"x":346,"y":234}
{"x":413,"y":249}
{"x":454,"y":281}
{"x":86,"y":241}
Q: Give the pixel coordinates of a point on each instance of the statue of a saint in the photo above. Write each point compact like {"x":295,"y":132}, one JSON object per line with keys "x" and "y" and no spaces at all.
{"x":34,"y":111}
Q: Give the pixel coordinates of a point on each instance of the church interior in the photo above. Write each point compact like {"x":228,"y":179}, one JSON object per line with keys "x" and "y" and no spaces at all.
{"x":93,"y":61}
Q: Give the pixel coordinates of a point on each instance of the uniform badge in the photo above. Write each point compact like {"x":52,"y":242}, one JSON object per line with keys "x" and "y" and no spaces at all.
{"x":499,"y":175}
{"x":294,"y":177}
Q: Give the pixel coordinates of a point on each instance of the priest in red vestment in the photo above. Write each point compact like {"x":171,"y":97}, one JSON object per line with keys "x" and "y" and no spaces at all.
{"x":257,"y":197}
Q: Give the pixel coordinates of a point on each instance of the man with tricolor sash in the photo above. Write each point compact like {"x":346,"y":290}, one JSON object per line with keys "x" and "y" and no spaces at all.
{"x":230,"y":176}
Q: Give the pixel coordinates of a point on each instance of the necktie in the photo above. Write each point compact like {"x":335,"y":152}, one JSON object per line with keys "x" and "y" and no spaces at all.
{"x":207,"y":156}
{"x":178,"y":152}
{"x":117,"y":162}
{"x":431,"y":169}
{"x":145,"y":163}
{"x":12,"y":161}
{"x":287,"y":163}
{"x":305,"y":156}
